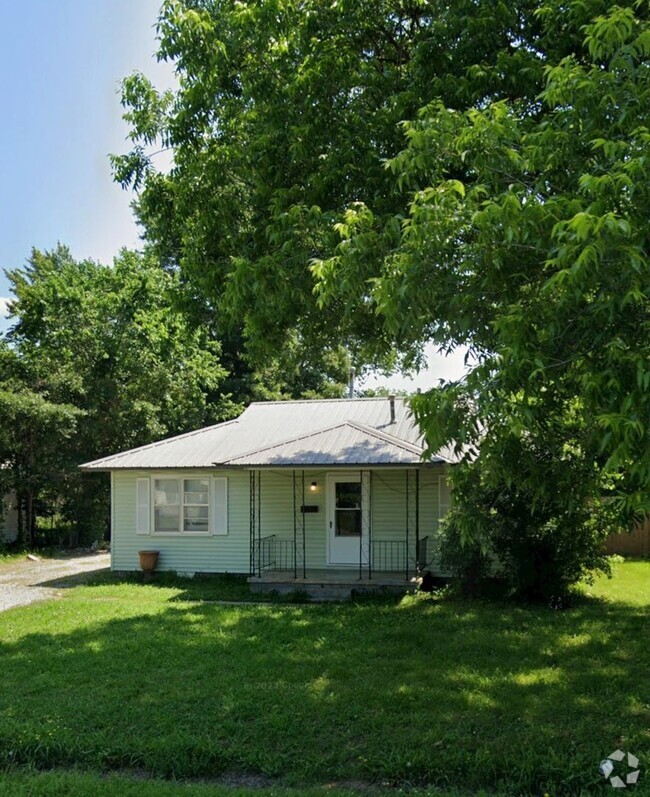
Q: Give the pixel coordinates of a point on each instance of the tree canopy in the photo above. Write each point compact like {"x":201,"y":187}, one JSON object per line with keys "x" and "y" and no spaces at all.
{"x":387,"y":174}
{"x":98,"y":360}
{"x":285,"y":116}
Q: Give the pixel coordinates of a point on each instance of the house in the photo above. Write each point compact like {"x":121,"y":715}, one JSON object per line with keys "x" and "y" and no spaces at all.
{"x":9,"y":518}
{"x":323,"y":491}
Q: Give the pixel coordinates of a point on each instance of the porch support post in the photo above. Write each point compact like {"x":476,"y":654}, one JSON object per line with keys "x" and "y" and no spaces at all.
{"x":417,"y":511}
{"x":406,"y":523}
{"x":295,"y":530}
{"x":406,"y":563}
{"x":361,"y":535}
{"x":370,"y":524}
{"x":304,"y":523}
{"x":251,"y":521}
{"x":259,"y":517}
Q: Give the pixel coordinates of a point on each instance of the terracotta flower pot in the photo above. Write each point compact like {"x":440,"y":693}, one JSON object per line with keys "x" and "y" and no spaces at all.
{"x":148,"y":561}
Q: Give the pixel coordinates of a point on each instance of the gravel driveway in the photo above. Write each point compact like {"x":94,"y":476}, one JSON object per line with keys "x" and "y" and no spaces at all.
{"x":26,"y":581}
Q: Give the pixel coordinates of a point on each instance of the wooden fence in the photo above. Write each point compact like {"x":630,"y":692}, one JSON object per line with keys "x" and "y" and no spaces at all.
{"x":633,"y":543}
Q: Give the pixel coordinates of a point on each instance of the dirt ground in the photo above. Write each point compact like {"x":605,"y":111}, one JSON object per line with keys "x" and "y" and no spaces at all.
{"x":26,"y":581}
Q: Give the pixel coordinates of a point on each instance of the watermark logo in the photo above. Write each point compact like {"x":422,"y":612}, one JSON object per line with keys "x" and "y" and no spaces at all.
{"x":608,"y":765}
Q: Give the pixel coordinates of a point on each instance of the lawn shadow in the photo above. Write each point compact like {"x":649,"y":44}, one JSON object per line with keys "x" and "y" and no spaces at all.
{"x":423,"y":691}
{"x":76,"y":579}
{"x":200,"y":587}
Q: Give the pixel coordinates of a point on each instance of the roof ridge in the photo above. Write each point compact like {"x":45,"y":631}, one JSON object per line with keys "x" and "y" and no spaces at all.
{"x":285,"y":442}
{"x":389,"y":438}
{"x":162,"y":442}
{"x":322,"y":401}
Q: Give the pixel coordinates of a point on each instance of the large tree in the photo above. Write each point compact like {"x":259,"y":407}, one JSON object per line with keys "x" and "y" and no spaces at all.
{"x":285,"y":115}
{"x":101,"y":359}
{"x":387,"y":174}
{"x":33,"y":432}
{"x":102,"y":352}
{"x":527,"y":240}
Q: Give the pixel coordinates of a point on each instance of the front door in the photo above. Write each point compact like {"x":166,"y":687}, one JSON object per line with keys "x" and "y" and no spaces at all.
{"x":344,"y":519}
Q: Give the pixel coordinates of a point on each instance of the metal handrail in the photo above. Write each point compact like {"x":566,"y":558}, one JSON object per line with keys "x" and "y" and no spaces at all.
{"x":266,"y":553}
{"x":275,"y":553}
{"x":389,"y":556}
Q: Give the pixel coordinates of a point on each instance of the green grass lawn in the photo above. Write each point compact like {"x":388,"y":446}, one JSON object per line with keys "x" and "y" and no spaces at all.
{"x":436,"y":692}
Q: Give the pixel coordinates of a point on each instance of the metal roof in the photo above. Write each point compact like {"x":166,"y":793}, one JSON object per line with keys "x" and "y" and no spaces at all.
{"x":309,"y":432}
{"x":346,"y":443}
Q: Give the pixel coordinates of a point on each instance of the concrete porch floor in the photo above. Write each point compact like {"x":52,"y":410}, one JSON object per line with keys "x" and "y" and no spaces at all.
{"x":332,"y":583}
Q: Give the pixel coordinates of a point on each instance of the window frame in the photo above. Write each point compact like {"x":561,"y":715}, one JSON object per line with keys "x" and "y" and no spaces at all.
{"x":358,"y":509}
{"x":180,"y":479}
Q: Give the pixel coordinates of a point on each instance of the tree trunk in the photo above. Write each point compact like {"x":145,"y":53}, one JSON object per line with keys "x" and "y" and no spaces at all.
{"x":31,"y":519}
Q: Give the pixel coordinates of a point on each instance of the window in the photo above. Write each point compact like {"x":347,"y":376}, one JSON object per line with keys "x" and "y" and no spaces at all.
{"x":347,"y":509}
{"x":190,"y":504}
{"x":181,"y":506}
{"x":196,"y":505}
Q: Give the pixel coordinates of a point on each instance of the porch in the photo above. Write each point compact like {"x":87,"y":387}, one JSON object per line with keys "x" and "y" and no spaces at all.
{"x":333,"y":533}
{"x":390,"y":560}
{"x":331,"y":583}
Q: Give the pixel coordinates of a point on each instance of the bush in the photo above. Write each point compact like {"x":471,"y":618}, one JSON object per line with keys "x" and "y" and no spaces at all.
{"x":465,"y":559}
{"x":542,"y":561}
{"x":538,"y":548}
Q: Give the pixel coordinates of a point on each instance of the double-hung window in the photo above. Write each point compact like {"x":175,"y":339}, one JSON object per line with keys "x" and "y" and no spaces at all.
{"x":181,"y":506}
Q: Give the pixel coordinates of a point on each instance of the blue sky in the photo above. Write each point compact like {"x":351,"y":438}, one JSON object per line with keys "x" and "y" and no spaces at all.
{"x":61,"y":63}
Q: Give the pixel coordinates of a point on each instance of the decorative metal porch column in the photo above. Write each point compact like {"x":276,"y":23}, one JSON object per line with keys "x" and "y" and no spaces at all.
{"x":417,"y":517}
{"x":304,"y":530}
{"x":412,"y":518}
{"x":255,"y":522}
{"x":365,"y":538}
{"x":299,"y":524}
{"x":258,"y":505}
{"x":295,"y":527}
{"x":254,"y":554}
{"x":406,"y":523}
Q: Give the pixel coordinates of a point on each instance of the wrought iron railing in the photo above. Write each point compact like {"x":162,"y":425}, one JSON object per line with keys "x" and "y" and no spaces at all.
{"x":275,"y":553}
{"x":389,"y":556}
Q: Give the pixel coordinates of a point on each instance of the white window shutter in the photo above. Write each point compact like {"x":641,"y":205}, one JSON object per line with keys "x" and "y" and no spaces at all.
{"x":220,"y":505}
{"x":143,"y":504}
{"x":444,"y":496}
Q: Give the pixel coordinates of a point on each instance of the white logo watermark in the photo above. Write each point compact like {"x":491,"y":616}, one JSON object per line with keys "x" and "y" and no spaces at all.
{"x":607,"y":766}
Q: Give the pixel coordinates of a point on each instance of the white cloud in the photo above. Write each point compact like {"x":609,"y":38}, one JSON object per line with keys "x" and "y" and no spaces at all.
{"x":4,"y":306}
{"x":439,"y":366}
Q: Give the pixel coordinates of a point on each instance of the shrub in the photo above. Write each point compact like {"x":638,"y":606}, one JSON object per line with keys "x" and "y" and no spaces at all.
{"x":538,"y":548}
{"x":465,"y":559}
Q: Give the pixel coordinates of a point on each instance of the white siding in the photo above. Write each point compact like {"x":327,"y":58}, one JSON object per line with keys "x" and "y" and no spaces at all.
{"x":230,"y":553}
{"x":430,"y":513}
{"x":389,"y":505}
{"x":227,"y":553}
{"x":143,"y":492}
{"x":388,"y":509}
{"x":276,"y":515}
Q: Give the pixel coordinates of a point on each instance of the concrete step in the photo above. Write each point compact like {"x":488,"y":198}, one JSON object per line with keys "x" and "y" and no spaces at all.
{"x":327,"y":591}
